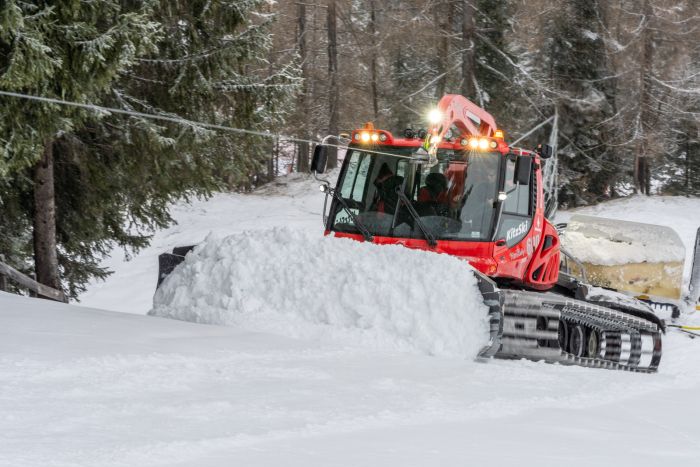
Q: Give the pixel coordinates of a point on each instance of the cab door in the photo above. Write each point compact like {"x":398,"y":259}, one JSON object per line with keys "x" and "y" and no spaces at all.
{"x":515,"y":224}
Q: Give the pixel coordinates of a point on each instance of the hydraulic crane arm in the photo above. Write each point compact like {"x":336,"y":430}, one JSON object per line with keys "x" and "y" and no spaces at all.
{"x":458,"y":111}
{"x":468,"y":117}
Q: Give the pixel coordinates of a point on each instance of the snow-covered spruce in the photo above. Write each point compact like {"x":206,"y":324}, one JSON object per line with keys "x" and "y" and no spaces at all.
{"x":289,"y":282}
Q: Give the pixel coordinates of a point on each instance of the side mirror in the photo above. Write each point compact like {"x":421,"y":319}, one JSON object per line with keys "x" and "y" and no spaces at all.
{"x":318,"y":163}
{"x":545,"y":151}
{"x":523,"y":167}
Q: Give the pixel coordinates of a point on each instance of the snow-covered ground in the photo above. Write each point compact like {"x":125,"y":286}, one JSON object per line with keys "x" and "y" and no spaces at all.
{"x":294,"y":201}
{"x":80,"y":386}
{"x":88,"y":387}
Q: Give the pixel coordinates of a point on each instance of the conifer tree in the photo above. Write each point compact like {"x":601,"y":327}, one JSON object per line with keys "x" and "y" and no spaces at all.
{"x":67,"y":50}
{"x":116,"y":175}
{"x":582,"y":89}
{"x":494,"y":75}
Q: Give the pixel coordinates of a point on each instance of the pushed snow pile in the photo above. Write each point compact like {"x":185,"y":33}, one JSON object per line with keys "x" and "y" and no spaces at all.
{"x":597,"y":240}
{"x":289,"y":282}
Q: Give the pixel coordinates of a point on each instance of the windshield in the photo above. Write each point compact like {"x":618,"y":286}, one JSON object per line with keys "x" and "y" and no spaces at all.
{"x":454,"y":199}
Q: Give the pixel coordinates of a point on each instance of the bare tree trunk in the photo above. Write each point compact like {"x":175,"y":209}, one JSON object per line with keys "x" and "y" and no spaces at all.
{"x":687,"y":163}
{"x":290,"y":167}
{"x":45,"y":252}
{"x":271,"y":164}
{"x":333,"y":90}
{"x":303,"y":149}
{"x":373,"y":58}
{"x":641,"y":162}
{"x":468,"y":50}
{"x":277,"y":157}
{"x":444,"y":23}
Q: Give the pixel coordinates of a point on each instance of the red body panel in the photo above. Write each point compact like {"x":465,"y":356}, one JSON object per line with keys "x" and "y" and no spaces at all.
{"x":534,"y":261}
{"x":479,"y":254}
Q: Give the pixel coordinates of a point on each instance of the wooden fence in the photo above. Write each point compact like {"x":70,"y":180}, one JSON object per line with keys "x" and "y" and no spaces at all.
{"x":8,"y":272}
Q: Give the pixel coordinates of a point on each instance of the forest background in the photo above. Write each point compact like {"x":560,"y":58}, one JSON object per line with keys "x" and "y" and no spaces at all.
{"x":614,"y":85}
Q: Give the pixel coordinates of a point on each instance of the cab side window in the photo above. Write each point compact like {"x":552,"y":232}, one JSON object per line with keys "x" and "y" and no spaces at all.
{"x":517,"y":208}
{"x":355,"y":179}
{"x":518,"y":200}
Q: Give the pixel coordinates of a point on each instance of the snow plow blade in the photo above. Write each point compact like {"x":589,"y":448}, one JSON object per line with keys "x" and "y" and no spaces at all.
{"x":642,"y":260}
{"x":167,"y":262}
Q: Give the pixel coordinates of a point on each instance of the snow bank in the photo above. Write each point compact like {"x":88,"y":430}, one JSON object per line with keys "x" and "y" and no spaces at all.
{"x":608,"y":242}
{"x":290,"y":282}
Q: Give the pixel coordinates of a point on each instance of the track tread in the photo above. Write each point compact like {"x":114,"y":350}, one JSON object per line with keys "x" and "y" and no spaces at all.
{"x":624,"y":332}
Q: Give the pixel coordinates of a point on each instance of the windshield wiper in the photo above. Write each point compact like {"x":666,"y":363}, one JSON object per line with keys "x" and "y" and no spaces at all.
{"x":360,"y":226}
{"x":412,"y":211}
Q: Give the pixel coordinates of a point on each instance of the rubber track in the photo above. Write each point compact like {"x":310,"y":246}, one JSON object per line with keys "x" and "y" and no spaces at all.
{"x":523,"y":336}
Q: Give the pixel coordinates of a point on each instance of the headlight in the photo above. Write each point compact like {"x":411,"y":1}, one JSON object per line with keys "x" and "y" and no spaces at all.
{"x":435,"y":116}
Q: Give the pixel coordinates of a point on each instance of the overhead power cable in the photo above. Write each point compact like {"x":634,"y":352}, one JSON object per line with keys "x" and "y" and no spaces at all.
{"x":183,"y":121}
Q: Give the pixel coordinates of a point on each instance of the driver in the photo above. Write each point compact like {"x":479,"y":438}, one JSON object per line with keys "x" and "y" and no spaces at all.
{"x":435,"y":194}
{"x":435,"y":189}
{"x":385,"y":198}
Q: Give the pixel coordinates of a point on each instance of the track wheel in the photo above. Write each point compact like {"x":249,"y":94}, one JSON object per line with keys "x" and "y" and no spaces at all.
{"x":563,"y":336}
{"x":577,"y":340}
{"x":593,"y":344}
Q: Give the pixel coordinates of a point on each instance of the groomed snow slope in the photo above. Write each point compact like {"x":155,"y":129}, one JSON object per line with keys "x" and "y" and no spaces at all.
{"x":288,"y":282}
{"x":83,"y":387}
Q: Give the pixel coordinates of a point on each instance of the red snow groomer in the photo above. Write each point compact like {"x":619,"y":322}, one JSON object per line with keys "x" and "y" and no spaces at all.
{"x":458,"y":188}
